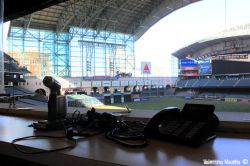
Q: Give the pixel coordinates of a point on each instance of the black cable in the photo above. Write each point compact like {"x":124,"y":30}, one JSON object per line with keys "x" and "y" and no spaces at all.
{"x":125,"y":142}
{"x":127,"y":132}
{"x":74,"y":143}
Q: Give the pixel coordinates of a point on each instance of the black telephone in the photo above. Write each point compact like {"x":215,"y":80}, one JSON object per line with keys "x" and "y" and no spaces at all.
{"x":194,"y":125}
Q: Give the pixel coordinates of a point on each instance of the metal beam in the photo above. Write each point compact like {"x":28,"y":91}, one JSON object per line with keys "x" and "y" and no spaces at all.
{"x":131,"y":27}
{"x":68,"y":13}
{"x":93,"y":13}
{"x":120,"y":7}
{"x":27,"y":24}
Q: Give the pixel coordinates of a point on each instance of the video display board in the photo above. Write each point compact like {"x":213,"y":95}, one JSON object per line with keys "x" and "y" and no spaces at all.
{"x":230,"y":67}
{"x":205,"y":67}
{"x":188,"y":64}
{"x":188,"y":67}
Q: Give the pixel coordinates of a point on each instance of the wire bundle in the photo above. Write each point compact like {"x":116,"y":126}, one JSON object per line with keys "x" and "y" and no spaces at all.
{"x":128,"y":133}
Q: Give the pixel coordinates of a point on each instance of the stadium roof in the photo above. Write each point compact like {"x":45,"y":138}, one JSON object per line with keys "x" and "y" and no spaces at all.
{"x":125,"y":16}
{"x":199,"y":45}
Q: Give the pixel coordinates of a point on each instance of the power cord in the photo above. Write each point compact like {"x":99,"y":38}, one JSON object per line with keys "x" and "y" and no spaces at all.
{"x":74,"y":143}
{"x":128,"y":133}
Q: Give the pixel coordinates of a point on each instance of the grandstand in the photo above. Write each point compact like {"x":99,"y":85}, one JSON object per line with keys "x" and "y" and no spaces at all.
{"x":216,"y":67}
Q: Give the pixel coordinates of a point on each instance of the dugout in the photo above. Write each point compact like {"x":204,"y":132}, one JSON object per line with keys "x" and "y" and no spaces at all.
{"x":117,"y":96}
{"x":136,"y":90}
{"x":154,"y":90}
{"x":107,"y":98}
{"x":94,"y":91}
{"x":145,"y":90}
{"x":161,"y":90}
{"x":107,"y":95}
{"x":127,"y":94}
{"x":106,"y":90}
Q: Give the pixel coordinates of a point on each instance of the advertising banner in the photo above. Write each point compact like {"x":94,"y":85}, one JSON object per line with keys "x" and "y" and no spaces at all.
{"x":147,"y":82}
{"x":124,"y":83}
{"x":115,"y":83}
{"x":86,"y":84}
{"x":132,"y":83}
{"x":75,"y":84}
{"x":146,"y":67}
{"x":96,"y":83}
{"x":188,"y":62}
{"x":205,"y":67}
{"x":106,"y":83}
{"x":140,"y":83}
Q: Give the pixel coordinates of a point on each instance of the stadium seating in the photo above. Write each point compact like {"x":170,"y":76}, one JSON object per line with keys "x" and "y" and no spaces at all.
{"x":228,"y":83}
{"x":201,"y":83}
{"x":213,"y":82}
{"x":181,"y":83}
{"x":243,"y":82}
{"x":17,"y":91}
{"x":190,"y":83}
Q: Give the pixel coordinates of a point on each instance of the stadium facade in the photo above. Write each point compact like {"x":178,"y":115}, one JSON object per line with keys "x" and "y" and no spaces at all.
{"x":217,"y":66}
{"x":80,"y":59}
{"x":215,"y":56}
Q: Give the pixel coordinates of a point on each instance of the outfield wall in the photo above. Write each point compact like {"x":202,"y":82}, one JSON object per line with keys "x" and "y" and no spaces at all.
{"x":33,"y":84}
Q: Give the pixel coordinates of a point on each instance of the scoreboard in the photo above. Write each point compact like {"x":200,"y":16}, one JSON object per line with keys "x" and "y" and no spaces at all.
{"x":230,"y":67}
{"x":188,"y":67}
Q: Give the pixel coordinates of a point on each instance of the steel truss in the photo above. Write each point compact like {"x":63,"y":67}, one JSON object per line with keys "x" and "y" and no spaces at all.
{"x":84,"y":54}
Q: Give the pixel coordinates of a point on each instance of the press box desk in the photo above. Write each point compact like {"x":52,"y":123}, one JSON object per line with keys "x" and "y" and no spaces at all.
{"x":98,"y":150}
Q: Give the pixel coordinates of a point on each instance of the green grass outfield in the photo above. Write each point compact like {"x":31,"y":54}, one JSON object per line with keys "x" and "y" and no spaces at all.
{"x":160,"y":103}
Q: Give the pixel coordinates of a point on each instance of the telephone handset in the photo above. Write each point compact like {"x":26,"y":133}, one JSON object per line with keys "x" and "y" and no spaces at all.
{"x":195,"y":124}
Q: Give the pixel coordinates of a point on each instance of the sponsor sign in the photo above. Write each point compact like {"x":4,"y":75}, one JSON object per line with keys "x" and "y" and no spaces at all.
{"x":155,"y":82}
{"x":140,"y":99}
{"x":147,"y":82}
{"x":115,"y":83}
{"x":86,"y":84}
{"x":135,"y":96}
{"x":96,"y":83}
{"x":231,"y":99}
{"x":244,"y":100}
{"x":146,"y":67}
{"x":190,"y":74}
{"x":75,"y":84}
{"x":140,"y":83}
{"x":106,"y":83}
{"x":136,"y":99}
{"x":132,"y":83}
{"x":188,"y":62}
{"x":124,"y":83}
{"x":189,"y":68}
{"x":205,"y":66}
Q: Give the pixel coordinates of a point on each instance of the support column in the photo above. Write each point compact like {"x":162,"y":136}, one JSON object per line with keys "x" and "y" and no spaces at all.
{"x":1,"y":48}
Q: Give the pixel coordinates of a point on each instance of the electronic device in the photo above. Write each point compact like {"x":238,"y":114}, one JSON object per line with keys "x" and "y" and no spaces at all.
{"x":57,"y":106}
{"x":194,"y":125}
{"x":89,"y":124}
